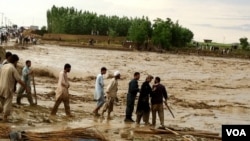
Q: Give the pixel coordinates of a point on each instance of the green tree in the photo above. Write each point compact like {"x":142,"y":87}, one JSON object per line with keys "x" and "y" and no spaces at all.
{"x":44,"y":28}
{"x":244,"y":43}
{"x":162,"y":33}
{"x":140,"y":31}
{"x":112,"y":33}
{"x":180,"y":36}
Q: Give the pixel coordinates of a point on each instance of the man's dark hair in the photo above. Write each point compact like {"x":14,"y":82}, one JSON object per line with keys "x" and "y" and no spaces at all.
{"x":136,"y":73}
{"x":158,"y":79}
{"x":14,"y":58}
{"x":8,"y":54}
{"x":28,"y":61}
{"x":103,"y":69}
{"x":67,"y":66}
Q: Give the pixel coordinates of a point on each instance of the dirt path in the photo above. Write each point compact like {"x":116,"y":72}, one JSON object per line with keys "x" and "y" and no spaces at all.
{"x":205,"y":92}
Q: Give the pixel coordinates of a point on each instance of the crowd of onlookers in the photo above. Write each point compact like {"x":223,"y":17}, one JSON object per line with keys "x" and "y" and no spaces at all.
{"x":10,"y":33}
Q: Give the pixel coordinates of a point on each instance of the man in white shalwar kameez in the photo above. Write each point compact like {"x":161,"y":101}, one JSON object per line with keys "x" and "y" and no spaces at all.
{"x":99,"y":91}
{"x":62,"y":92}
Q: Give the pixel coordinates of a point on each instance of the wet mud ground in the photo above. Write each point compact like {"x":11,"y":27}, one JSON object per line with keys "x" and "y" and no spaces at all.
{"x":204,"y":92}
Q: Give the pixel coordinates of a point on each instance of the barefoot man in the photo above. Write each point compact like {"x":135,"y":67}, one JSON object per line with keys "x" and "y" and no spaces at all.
{"x":26,"y":78}
{"x":99,"y":91}
{"x":111,"y":94}
{"x":62,"y":91}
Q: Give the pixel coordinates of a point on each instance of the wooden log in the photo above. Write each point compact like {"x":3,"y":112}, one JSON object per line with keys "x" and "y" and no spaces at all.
{"x":144,"y":131}
{"x":193,"y":133}
{"x":204,"y":135}
{"x":162,"y":131}
{"x":167,"y":130}
{"x":198,"y":132}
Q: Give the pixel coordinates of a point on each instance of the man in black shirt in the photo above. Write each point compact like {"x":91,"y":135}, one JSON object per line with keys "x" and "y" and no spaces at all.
{"x":132,"y":91}
{"x":159,"y":92}
{"x":143,"y":109}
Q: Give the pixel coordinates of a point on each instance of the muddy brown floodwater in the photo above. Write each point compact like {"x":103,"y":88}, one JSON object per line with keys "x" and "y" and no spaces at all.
{"x":204,"y":92}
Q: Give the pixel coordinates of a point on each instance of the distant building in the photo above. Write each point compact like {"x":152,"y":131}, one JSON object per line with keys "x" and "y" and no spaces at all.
{"x":207,"y":41}
{"x":33,"y":27}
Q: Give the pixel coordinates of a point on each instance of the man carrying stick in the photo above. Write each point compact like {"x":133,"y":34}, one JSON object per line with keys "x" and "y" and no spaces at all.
{"x":159,"y":92}
{"x":26,"y":77}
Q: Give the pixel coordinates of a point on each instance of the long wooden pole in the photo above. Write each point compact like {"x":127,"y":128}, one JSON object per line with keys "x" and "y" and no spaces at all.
{"x":34,"y":86}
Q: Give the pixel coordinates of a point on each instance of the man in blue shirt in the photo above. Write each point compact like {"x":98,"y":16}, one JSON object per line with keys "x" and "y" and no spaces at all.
{"x":26,"y":77}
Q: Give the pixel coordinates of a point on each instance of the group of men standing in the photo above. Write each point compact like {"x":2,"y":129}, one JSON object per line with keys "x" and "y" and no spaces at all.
{"x":9,"y":77}
{"x":157,"y":93}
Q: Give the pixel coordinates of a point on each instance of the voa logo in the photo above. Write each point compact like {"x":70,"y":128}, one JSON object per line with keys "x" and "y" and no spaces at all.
{"x":236,"y":132}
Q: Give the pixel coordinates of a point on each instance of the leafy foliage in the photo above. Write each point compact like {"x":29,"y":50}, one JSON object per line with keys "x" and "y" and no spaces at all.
{"x":140,"y":31}
{"x":163,"y":34}
{"x":244,"y":43}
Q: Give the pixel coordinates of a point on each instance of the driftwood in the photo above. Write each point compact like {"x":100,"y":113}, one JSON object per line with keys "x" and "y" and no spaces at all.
{"x":166,"y":130}
{"x":64,"y":135}
{"x":4,"y":130}
{"x":204,"y":134}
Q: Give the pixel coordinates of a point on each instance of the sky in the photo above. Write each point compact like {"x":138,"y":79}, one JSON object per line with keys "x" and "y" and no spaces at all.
{"x":223,"y":21}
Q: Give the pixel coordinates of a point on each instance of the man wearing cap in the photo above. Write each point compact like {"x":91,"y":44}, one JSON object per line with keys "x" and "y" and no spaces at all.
{"x":111,"y":94}
{"x":143,"y":109}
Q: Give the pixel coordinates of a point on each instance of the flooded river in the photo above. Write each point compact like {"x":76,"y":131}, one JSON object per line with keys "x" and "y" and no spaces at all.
{"x":204,"y":92}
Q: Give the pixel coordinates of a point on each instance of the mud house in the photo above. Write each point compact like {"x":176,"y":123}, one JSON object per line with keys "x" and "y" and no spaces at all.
{"x":207,"y":41}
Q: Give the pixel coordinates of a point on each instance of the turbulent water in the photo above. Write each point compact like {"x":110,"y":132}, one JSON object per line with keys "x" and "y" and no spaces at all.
{"x":204,"y":92}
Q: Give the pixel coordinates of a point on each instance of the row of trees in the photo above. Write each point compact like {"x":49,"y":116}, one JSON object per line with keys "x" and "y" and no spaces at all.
{"x":162,"y":33}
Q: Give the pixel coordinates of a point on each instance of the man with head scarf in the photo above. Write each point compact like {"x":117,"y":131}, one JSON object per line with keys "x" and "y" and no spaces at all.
{"x":143,"y":109}
{"x":111,"y":94}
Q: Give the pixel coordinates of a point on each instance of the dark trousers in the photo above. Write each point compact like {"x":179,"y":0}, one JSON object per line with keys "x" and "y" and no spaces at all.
{"x":130,"y":105}
{"x":20,"y":95}
{"x":65,"y":100}
{"x":144,"y":115}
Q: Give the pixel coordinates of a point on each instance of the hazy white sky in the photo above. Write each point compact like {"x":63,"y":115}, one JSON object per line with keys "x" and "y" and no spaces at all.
{"x":219,"y":20}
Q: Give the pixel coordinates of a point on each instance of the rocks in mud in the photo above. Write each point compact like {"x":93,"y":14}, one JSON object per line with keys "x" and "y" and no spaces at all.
{"x":124,"y":133}
{"x":30,"y":123}
{"x":189,"y":138}
{"x":51,"y":93}
{"x":46,"y":120}
{"x":157,"y":137}
{"x":147,"y":59}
